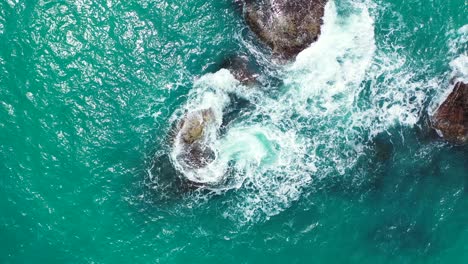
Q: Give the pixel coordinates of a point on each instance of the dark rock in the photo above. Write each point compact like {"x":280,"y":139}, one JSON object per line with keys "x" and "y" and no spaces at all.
{"x":383,"y":148}
{"x":242,"y":70}
{"x":238,"y":107}
{"x":287,"y":26}
{"x":451,"y":118}
{"x":197,"y":155}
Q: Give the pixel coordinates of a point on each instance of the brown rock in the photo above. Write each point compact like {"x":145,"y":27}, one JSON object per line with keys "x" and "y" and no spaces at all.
{"x":194,"y":123}
{"x":193,"y":138}
{"x":451,"y":118}
{"x":287,"y":26}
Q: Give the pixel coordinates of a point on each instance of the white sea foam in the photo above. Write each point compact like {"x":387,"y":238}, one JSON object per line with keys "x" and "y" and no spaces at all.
{"x":458,"y":66}
{"x":458,"y":48}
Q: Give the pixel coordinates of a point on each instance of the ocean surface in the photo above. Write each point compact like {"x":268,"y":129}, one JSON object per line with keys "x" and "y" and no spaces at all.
{"x":328,"y":159}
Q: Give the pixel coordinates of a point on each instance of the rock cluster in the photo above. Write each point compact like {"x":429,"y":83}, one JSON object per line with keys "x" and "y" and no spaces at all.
{"x":288,"y":27}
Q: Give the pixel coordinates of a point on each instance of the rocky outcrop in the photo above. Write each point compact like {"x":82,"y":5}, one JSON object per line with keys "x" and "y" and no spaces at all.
{"x":192,"y":138}
{"x":451,"y":118}
{"x":192,"y":125}
{"x":286,"y":26}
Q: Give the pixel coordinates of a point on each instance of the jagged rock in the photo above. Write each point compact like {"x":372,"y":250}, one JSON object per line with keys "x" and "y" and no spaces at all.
{"x":451,"y":118}
{"x":192,"y":138}
{"x":193,"y":124}
{"x":287,"y":26}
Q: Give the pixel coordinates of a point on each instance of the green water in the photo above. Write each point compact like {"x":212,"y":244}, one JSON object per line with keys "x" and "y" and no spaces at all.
{"x":88,"y":92}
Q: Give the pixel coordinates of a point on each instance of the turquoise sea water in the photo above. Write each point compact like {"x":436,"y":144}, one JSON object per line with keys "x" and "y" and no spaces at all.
{"x":330,"y":161}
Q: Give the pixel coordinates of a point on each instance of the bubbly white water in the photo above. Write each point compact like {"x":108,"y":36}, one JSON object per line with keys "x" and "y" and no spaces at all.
{"x":317,"y":126}
{"x":459,"y":64}
{"x":458,"y":67}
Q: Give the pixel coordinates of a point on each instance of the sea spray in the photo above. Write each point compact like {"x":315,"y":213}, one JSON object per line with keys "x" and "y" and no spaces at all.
{"x":458,"y":66}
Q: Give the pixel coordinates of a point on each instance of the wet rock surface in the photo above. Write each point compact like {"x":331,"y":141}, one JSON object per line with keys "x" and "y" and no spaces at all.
{"x":286,"y":26}
{"x":192,"y":137}
{"x":451,"y":118}
{"x":197,"y":155}
{"x":193,"y":125}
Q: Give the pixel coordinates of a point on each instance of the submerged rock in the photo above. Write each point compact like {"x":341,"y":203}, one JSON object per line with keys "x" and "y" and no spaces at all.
{"x":193,"y":136}
{"x":242,"y":70}
{"x":197,"y":155}
{"x":287,"y":26}
{"x":451,"y":118}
